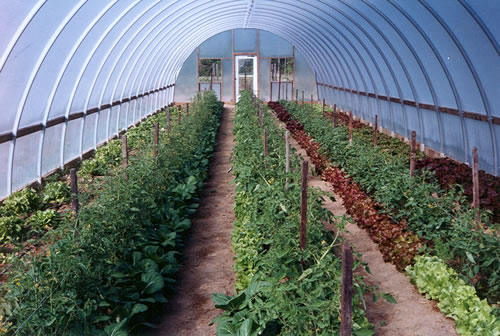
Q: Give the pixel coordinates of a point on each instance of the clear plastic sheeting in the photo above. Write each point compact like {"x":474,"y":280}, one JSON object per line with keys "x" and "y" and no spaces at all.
{"x":74,"y":73}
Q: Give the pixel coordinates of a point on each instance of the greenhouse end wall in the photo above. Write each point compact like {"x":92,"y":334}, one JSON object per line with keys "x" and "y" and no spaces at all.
{"x":266,"y":46}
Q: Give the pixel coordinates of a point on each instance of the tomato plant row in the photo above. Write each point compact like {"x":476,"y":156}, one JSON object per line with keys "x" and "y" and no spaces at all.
{"x":281,"y":289}
{"x":441,"y":218}
{"x":108,"y":271}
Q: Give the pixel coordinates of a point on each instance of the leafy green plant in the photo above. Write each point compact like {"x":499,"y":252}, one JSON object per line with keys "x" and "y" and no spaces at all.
{"x":21,"y":203}
{"x":282,"y":290}
{"x":429,"y":211}
{"x":43,"y":220}
{"x":110,"y":272}
{"x":56,"y":193}
{"x":11,"y":229}
{"x":457,"y":300}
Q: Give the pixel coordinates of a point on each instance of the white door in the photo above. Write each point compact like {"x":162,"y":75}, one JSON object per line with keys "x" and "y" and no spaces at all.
{"x":246,"y":74}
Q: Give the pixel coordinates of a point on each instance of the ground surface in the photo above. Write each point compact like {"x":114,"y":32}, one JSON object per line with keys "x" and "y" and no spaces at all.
{"x":208,"y":258}
{"x":413,"y":315}
{"x":208,"y":261}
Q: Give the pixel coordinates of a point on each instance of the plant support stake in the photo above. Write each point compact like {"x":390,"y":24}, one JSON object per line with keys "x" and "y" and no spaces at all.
{"x":124,"y":151}
{"x":334,"y":115}
{"x":350,"y":127}
{"x":169,"y":125}
{"x":323,"y":107}
{"x":413,"y":147}
{"x":75,"y":204}
{"x":157,"y":137}
{"x":375,"y":130}
{"x":475,"y":181}
{"x":302,"y":97}
{"x":303,"y":206}
{"x":346,"y":303}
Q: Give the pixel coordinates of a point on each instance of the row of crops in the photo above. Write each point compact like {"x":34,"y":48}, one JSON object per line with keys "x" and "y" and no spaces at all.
{"x":281,"y":288}
{"x":108,"y":270}
{"x":429,"y":231}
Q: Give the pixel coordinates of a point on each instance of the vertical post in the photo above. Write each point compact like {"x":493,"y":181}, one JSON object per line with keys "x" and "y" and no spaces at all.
{"x":245,"y":80}
{"x":75,"y":204}
{"x":475,"y":179}
{"x":157,"y":137}
{"x":261,"y":117}
{"x":271,"y":93}
{"x":265,"y":142}
{"x":346,"y":301}
{"x":124,"y":151}
{"x":334,"y":114}
{"x":323,"y":107}
{"x":311,"y":99}
{"x":350,"y":127}
{"x":169,"y":124}
{"x":287,"y":151}
{"x":375,"y":131}
{"x":303,"y":206}
{"x":179,"y":110}
{"x":279,"y":82}
{"x":187,"y":108}
{"x":296,"y":96}
{"x":413,"y":146}
{"x":302,"y":97}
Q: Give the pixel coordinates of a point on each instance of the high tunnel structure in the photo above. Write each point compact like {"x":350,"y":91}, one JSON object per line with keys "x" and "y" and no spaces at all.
{"x":75,"y":73}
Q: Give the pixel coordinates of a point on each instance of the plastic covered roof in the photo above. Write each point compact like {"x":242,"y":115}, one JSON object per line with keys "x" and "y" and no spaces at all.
{"x":61,"y":59}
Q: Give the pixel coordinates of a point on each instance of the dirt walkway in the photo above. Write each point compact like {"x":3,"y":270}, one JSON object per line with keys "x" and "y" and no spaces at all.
{"x":208,"y":258}
{"x":413,"y":315}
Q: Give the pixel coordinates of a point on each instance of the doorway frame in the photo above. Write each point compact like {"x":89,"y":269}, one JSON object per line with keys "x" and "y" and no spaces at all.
{"x":245,"y":55}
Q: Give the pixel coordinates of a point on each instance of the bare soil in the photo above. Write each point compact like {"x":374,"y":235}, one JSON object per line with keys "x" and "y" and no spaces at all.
{"x":413,"y":315}
{"x":208,"y":257}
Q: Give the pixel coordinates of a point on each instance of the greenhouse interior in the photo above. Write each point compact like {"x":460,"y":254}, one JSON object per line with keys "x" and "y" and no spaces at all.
{"x":250,"y":167}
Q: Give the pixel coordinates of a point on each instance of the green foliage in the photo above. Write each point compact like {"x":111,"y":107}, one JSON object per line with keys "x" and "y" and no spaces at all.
{"x":429,"y":211}
{"x":11,"y":229}
{"x":110,"y":272}
{"x":56,"y":193}
{"x":282,"y":290}
{"x":21,"y":203}
{"x":456,"y":299}
{"x":43,"y":220}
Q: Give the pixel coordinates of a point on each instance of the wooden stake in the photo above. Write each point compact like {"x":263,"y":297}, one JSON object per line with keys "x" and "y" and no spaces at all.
{"x":287,"y":151}
{"x":346,"y":303}
{"x":350,"y":127}
{"x":375,"y":131}
{"x":334,"y":114}
{"x":302,"y":97}
{"x":296,"y":96}
{"x":265,"y":142}
{"x":311,"y":99}
{"x":413,"y":146}
{"x":271,"y":93}
{"x":187,"y":108}
{"x":169,"y":124}
{"x":475,"y":179}
{"x":75,"y":204}
{"x":261,"y":117}
{"x":303,"y":206}
{"x":179,"y":110}
{"x":124,"y":151}
{"x":157,"y":137}
{"x":323,"y":107}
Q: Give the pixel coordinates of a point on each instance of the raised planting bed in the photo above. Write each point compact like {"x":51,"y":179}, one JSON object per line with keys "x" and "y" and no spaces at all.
{"x":441,"y":218}
{"x":109,"y":272}
{"x":281,"y":288}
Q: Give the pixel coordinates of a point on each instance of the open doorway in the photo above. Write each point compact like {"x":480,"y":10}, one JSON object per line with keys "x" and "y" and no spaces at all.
{"x":246,"y":74}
